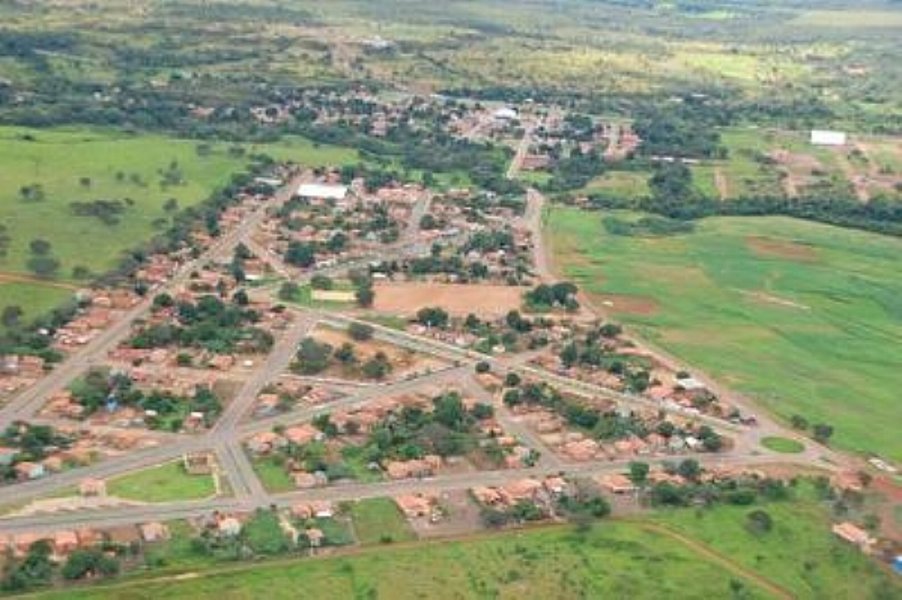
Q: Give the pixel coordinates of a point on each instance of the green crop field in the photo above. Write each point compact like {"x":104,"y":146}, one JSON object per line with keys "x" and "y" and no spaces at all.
{"x":803,"y":317}
{"x":166,"y":483}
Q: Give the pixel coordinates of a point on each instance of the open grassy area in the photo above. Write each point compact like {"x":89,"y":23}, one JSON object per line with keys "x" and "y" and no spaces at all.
{"x":781,"y":444}
{"x":613,"y":560}
{"x":166,"y":483}
{"x":804,"y":317}
{"x":273,"y":475}
{"x":799,"y":553}
{"x":379,"y":520}
{"x":86,"y":165}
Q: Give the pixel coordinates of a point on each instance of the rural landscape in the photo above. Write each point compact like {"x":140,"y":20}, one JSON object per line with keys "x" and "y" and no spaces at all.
{"x":467,"y":299}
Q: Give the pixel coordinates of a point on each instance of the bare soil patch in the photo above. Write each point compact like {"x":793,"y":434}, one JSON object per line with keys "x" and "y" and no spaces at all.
{"x":773,"y":248}
{"x":484,"y":300}
{"x":6,"y":277}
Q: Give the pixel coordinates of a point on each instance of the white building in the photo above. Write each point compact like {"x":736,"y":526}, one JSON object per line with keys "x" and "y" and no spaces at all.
{"x":828,"y":138}
{"x":505,"y":114}
{"x":322,"y":191}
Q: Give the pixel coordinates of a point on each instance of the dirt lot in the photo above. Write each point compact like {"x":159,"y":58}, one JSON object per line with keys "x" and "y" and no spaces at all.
{"x":462,"y":517}
{"x":484,"y":300}
{"x":771,"y":248}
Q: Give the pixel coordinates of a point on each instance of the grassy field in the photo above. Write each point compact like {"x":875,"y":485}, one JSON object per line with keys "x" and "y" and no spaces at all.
{"x":804,"y":317}
{"x":380,"y":519}
{"x":612,"y":561}
{"x":84,"y":165}
{"x":799,"y":553}
{"x":166,"y":483}
{"x":781,"y":444}
{"x":273,"y":476}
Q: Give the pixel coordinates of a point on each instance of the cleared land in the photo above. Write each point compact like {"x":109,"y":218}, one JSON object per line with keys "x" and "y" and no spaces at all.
{"x":166,"y":483}
{"x":804,"y":317}
{"x":485,"y":300}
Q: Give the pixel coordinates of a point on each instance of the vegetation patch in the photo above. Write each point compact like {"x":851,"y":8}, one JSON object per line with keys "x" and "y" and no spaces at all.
{"x":784,"y":445}
{"x":379,"y":521}
{"x":166,"y":483}
{"x":796,"y":362}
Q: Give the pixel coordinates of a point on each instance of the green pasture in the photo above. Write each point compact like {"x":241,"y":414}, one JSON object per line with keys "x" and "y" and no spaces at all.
{"x":612,"y":560}
{"x":799,"y":552}
{"x":803,"y":317}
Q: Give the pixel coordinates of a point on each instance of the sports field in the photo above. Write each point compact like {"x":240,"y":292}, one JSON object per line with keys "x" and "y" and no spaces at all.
{"x":804,"y":317}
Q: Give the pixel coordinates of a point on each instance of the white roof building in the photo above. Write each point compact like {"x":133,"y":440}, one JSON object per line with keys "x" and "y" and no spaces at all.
{"x":322,"y":191}
{"x":828,"y":138}
{"x":505,"y":114}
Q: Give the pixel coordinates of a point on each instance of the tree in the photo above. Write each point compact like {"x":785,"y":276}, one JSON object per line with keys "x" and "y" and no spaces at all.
{"x":289,"y":291}
{"x":299,"y":254}
{"x":512,"y":379}
{"x":365,"y":296}
{"x":689,"y":468}
{"x":312,"y":356}
{"x":638,"y":472}
{"x":759,"y":522}
{"x":241,"y":298}
{"x":11,"y":315}
{"x":321,"y":282}
{"x":799,"y":422}
{"x":92,"y":561}
{"x":377,"y":367}
{"x":483,"y":367}
{"x":822,"y":432}
{"x":43,"y":266}
{"x":432,"y":317}
{"x":360,"y":332}
{"x":39,"y":247}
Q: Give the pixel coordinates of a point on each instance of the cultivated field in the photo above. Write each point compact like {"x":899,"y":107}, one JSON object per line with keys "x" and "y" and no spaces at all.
{"x":460,"y":300}
{"x":803,"y":317}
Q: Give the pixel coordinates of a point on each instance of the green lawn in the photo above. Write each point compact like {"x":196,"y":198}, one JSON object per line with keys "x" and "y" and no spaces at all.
{"x":166,"y":483}
{"x":380,"y":519}
{"x":614,"y":560}
{"x":802,"y":316}
{"x":781,"y":444}
{"x":273,"y":476}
